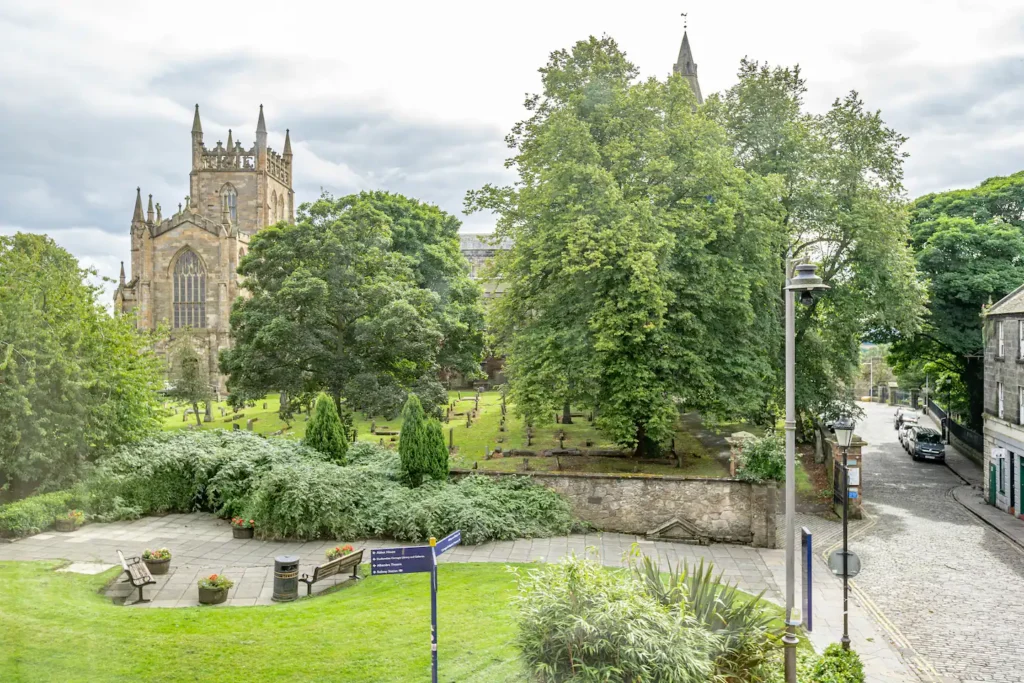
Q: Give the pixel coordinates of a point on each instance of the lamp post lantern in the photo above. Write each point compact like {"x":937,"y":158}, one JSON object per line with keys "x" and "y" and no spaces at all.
{"x":801,"y":281}
{"x":843,"y":429}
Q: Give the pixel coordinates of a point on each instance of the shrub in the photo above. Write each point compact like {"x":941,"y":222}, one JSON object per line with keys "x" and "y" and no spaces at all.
{"x":413,"y":445}
{"x":324,"y":431}
{"x":581,"y":622}
{"x":437,"y":461}
{"x":837,"y":665}
{"x":290,"y":490}
{"x":743,"y":624}
{"x":32,"y":515}
{"x":764,"y":459}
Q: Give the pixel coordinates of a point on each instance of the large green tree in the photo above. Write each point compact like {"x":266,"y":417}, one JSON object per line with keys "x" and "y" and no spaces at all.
{"x":366,"y":297}
{"x":74,"y":380}
{"x":190,"y":375}
{"x":967,"y":264}
{"x":843,"y":207}
{"x":642,"y":256}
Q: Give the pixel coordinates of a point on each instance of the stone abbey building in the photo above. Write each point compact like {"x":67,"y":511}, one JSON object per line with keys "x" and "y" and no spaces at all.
{"x":183,"y":267}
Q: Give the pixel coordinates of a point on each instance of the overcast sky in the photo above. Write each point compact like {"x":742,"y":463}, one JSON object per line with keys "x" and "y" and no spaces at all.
{"x":416,"y":97}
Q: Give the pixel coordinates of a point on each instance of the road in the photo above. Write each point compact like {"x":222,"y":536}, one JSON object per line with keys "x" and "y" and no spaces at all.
{"x":949,"y":588}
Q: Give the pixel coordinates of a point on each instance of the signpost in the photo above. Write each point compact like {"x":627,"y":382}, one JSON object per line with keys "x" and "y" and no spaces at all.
{"x":412,"y":560}
{"x":807,"y":556}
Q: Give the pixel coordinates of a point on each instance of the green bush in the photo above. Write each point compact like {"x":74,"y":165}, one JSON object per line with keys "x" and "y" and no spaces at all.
{"x":32,"y":515}
{"x":292,"y":491}
{"x":763,"y":459}
{"x":837,"y":665}
{"x":324,"y":431}
{"x":744,"y":625}
{"x":413,"y":442}
{"x":581,"y":622}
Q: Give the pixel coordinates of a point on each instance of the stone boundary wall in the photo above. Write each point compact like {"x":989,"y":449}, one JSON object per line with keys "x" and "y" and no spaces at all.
{"x":720,"y":510}
{"x":968,"y":451}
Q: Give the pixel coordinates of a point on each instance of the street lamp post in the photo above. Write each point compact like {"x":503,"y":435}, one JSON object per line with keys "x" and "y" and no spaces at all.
{"x":843,"y":429}
{"x":803,"y":281}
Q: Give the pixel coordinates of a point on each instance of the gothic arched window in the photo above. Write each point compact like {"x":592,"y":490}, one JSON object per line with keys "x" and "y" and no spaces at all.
{"x":229,"y":202}
{"x":189,"y":291}
{"x":280,"y":209}
{"x":273,"y":206}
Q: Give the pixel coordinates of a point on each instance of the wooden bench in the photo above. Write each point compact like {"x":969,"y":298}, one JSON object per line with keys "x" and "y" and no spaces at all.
{"x":137,"y":572}
{"x":332,"y":567}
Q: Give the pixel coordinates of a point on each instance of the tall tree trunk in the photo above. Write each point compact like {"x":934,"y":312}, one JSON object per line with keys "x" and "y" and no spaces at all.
{"x":195,"y":410}
{"x":641,"y":441}
{"x":566,"y":414}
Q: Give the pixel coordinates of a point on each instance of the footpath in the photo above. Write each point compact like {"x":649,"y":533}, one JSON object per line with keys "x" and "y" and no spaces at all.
{"x":971,"y":494}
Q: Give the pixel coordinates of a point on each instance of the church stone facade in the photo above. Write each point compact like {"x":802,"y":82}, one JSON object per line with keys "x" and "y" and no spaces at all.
{"x":183,"y":267}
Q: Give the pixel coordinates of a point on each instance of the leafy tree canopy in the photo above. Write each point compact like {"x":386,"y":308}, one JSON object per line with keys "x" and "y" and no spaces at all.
{"x":644,"y":260}
{"x":366,"y":296}
{"x":190,"y":374}
{"x":843,"y":208}
{"x":74,"y":380}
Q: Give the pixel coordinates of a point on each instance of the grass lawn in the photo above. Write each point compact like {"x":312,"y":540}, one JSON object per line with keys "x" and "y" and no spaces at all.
{"x":485,"y":434}
{"x":59,"y":628}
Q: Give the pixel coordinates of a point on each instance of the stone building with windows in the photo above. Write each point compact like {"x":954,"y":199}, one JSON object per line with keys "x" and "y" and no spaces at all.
{"x":1004,"y":403}
{"x":183,"y":267}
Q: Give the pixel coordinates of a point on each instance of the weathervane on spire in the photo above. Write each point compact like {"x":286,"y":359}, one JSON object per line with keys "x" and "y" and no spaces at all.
{"x":685,"y":20}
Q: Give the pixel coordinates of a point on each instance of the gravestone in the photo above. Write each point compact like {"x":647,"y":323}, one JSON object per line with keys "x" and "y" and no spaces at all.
{"x":208,"y":416}
{"x":264,"y":405}
{"x":235,"y":427}
{"x":249,"y":422}
{"x":222,"y":411}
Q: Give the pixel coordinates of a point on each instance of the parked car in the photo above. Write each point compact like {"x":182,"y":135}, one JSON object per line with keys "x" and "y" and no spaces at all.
{"x":924,"y":443}
{"x":907,"y":416}
{"x":904,"y":433}
{"x":896,"y":418}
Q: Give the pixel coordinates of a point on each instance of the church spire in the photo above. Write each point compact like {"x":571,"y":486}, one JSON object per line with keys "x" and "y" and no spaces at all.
{"x":287,"y":143}
{"x":687,"y":68}
{"x":149,"y":210}
{"x":137,"y":216}
{"x":261,"y":125}
{"x":197,"y":127}
{"x":121,"y":282}
{"x":231,"y":143}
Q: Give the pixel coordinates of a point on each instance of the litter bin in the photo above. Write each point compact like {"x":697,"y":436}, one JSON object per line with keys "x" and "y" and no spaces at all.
{"x":286,"y":578}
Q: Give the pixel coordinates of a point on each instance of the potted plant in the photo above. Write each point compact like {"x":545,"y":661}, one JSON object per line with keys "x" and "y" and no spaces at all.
{"x":158,"y":561}
{"x":71,"y":521}
{"x":242,"y":527}
{"x":213,"y":589}
{"x":339,"y":551}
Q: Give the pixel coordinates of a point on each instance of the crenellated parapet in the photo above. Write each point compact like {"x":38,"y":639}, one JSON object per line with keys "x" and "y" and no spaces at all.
{"x":230,"y":158}
{"x":279,"y":167}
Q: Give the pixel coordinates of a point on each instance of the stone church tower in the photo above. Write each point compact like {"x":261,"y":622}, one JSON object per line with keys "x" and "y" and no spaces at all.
{"x":183,"y":268}
{"x":687,"y":68}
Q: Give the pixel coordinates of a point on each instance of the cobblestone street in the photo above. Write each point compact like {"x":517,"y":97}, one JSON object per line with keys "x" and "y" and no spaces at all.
{"x":948,"y":588}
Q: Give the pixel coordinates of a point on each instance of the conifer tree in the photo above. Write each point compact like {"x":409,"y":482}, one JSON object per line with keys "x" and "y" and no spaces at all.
{"x":437,"y":450}
{"x":324,"y":432}
{"x":413,"y":443}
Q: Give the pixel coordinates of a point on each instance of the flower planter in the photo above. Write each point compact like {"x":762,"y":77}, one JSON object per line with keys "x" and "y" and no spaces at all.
{"x":158,"y":567}
{"x":242,"y":533}
{"x":65,"y":525}
{"x":212,"y":596}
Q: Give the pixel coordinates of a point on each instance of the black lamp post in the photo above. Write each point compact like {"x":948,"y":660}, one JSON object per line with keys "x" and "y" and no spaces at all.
{"x":843,"y":428}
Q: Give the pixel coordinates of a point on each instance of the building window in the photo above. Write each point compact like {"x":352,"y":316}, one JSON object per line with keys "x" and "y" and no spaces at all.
{"x":999,"y":339}
{"x":1020,"y":339}
{"x":273,"y":207}
{"x":999,"y":399}
{"x":1020,"y":405}
{"x":189,"y":291}
{"x":1002,"y":475}
{"x":229,"y":202}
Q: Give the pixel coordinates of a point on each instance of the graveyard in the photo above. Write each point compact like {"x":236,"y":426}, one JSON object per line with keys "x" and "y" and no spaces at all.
{"x":486,"y":441}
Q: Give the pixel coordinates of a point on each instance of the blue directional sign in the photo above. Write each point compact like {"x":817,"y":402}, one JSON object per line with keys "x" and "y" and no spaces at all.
{"x":448,"y":542}
{"x":410,"y":560}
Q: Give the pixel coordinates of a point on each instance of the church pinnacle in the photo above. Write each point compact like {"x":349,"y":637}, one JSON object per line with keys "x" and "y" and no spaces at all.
{"x":197,"y":127}
{"x":137,"y":216}
{"x":261,"y":125}
{"x":687,"y":68}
